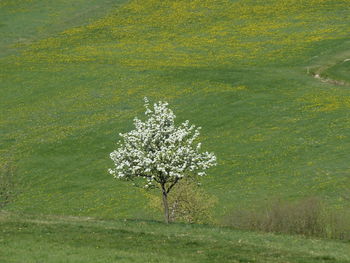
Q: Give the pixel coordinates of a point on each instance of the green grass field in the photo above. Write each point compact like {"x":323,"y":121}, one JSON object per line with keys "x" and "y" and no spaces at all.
{"x":74,"y":74}
{"x":71,"y":239}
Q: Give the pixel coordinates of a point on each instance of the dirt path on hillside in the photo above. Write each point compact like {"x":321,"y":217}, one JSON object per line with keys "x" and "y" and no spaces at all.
{"x":330,"y":81}
{"x":318,"y":75}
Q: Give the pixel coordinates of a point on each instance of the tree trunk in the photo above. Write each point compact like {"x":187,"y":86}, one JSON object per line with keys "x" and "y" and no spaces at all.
{"x":165,"y":204}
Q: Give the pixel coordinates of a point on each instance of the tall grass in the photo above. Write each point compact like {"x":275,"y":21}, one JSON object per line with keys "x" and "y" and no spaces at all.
{"x":308,"y":217}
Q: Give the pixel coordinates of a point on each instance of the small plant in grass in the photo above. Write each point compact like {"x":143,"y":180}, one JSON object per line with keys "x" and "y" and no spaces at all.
{"x":346,"y":195}
{"x":160,"y":152}
{"x":7,"y":184}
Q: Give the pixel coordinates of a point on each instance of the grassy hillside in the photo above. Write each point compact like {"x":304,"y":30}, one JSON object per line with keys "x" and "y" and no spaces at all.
{"x":71,"y":239}
{"x":73,"y":76}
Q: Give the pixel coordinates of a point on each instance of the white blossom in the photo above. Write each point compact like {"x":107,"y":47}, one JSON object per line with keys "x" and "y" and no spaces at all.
{"x":158,"y":150}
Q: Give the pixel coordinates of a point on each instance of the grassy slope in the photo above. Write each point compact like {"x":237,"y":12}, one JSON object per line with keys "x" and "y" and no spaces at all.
{"x":236,"y":68}
{"x":23,"y":22}
{"x":69,"y":239}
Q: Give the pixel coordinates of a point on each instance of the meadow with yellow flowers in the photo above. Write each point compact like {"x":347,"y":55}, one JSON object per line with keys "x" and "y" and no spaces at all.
{"x":74,"y":75}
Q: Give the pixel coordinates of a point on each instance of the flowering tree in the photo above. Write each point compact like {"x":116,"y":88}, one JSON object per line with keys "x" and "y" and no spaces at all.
{"x":160,"y":152}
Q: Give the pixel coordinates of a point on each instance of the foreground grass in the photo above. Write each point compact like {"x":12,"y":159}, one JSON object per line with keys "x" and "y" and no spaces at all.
{"x":72,"y":239}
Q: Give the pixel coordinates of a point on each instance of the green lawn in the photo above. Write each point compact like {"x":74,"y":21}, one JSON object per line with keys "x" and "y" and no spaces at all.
{"x":73,"y":76}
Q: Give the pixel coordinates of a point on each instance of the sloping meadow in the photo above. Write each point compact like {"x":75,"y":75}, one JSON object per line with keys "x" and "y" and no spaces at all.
{"x":236,"y":68}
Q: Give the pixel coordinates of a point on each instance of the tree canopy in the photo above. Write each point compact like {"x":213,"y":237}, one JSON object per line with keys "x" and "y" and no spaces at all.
{"x":160,"y":151}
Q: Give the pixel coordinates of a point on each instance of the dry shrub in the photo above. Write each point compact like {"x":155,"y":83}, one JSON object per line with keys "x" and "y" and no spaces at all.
{"x":303,"y":217}
{"x":188,"y":202}
{"x":337,"y":224}
{"x":306,"y":217}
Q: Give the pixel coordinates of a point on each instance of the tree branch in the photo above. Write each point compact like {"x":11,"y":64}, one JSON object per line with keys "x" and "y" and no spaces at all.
{"x":172,"y":185}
